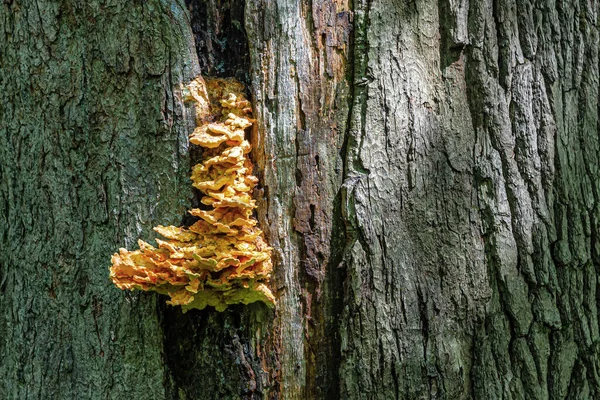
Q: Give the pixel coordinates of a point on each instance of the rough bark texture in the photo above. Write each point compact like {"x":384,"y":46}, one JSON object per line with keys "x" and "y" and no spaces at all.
{"x":429,"y":181}
{"x":94,"y":150}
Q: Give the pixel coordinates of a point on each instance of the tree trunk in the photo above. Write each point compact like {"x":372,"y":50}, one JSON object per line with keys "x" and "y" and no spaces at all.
{"x":429,"y":181}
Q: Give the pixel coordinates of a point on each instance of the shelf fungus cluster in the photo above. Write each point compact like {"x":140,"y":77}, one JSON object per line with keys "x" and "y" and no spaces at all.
{"x":222,"y":258}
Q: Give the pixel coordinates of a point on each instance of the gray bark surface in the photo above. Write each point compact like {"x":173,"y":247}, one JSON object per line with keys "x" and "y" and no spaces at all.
{"x":429,"y":180}
{"x":473,"y":168}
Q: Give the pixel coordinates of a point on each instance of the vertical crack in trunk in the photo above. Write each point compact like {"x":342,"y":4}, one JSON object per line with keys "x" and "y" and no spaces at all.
{"x":221,"y":41}
{"x":209,"y":354}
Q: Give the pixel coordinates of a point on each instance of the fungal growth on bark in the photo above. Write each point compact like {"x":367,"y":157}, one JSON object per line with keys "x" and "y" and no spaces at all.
{"x":222,"y":258}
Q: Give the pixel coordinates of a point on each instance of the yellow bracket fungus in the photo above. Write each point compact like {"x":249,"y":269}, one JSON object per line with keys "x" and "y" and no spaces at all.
{"x":222,"y":258}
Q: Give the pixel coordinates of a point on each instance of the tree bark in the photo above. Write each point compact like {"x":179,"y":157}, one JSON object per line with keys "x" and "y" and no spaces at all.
{"x":429,"y":181}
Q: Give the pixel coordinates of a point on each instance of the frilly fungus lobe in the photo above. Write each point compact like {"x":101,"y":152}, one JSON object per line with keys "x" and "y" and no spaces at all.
{"x":221,"y":259}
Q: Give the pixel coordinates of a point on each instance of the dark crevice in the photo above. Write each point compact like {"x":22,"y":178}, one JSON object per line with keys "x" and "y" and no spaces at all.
{"x":357,"y":99}
{"x":221,"y":41}
{"x":311,"y":222}
{"x":450,"y":50}
{"x":210,"y":354}
{"x":345,"y":222}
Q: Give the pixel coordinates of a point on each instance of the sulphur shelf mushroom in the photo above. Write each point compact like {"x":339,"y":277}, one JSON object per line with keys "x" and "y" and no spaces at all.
{"x":221,"y":259}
